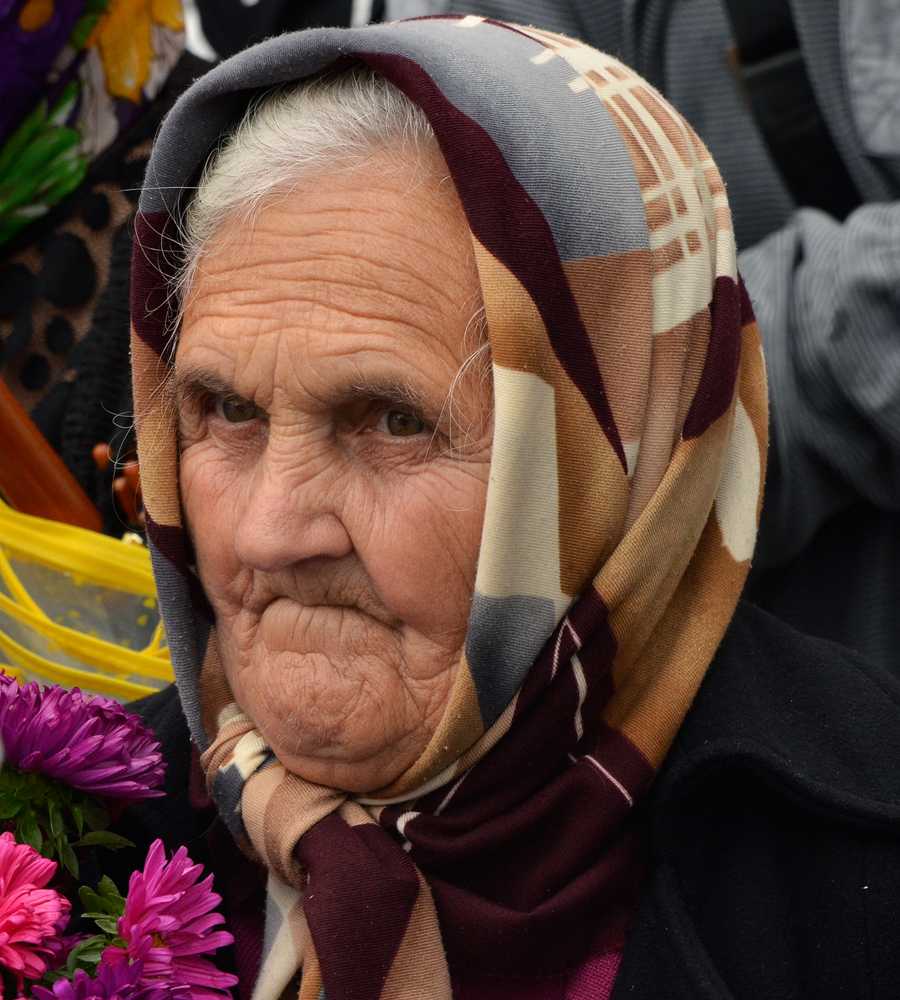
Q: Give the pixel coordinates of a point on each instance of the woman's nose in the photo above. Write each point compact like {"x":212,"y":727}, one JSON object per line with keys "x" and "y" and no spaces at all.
{"x":291,"y":513}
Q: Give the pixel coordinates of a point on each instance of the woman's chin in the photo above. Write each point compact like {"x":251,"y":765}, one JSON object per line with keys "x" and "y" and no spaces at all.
{"x":341,"y":765}
{"x":346,"y":776}
{"x":350,"y":733}
{"x":335,"y":697}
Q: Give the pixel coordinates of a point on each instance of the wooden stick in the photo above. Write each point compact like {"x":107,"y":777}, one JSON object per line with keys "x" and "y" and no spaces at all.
{"x":33,"y":477}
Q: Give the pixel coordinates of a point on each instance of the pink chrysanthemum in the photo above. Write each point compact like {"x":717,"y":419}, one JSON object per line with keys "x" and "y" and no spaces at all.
{"x":168,"y":925}
{"x":90,"y":743}
{"x":113,"y":982}
{"x":31,"y":916}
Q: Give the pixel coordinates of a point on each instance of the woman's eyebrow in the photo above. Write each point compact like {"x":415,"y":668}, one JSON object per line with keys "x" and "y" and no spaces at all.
{"x":391,"y":391}
{"x":192,"y":383}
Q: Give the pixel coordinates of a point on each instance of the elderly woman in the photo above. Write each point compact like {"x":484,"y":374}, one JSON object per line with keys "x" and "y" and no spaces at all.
{"x":452,"y":424}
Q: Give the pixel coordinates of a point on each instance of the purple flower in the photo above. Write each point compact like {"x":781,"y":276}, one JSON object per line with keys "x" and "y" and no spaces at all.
{"x":113,"y":982}
{"x":89,"y":743}
{"x":168,"y":924}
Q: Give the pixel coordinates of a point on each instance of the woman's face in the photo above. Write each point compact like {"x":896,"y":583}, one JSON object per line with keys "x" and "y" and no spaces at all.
{"x":334,"y":489}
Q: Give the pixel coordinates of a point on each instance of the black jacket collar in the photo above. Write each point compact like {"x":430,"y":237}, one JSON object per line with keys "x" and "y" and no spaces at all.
{"x":775,"y":830}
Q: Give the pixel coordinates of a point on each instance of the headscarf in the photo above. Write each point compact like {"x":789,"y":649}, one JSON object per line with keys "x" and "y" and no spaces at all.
{"x":628,"y":455}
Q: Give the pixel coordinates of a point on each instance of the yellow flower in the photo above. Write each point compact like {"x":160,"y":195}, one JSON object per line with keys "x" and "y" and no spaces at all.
{"x":122,"y":37}
{"x":35,"y":14}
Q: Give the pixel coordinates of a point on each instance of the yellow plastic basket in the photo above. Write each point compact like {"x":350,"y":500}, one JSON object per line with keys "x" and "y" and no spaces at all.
{"x":78,"y":608}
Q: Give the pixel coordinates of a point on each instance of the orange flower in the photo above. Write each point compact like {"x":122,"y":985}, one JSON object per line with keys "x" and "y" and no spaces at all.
{"x":35,"y":14}
{"x":122,"y":37}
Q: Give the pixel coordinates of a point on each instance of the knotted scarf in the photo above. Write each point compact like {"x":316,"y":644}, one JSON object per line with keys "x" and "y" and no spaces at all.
{"x":628,"y":455}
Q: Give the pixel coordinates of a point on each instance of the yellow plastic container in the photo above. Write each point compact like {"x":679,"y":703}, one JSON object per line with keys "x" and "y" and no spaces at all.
{"x":78,"y":608}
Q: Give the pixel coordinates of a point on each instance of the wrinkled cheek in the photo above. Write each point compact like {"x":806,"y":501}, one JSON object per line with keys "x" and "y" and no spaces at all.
{"x":210,"y":497}
{"x":425,"y":550}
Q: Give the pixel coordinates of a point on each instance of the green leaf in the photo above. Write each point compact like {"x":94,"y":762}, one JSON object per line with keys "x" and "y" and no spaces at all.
{"x":109,"y":891}
{"x":103,"y":838}
{"x":28,"y":832}
{"x":26,"y":175}
{"x":69,"y":860}
{"x":96,"y":817}
{"x":91,"y":899}
{"x":68,"y":174}
{"x":106,"y":901}
{"x":89,"y":950}
{"x":23,"y":136}
{"x":39,"y":165}
{"x":57,"y":827}
{"x":105,"y":923}
{"x":77,"y":814}
{"x":60,"y":111}
{"x":24,"y":791}
{"x":86,"y":955}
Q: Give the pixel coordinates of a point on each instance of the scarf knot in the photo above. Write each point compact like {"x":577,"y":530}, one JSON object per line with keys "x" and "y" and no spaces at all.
{"x":266,"y":807}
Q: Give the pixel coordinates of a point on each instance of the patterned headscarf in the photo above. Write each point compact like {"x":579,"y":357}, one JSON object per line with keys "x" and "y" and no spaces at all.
{"x":628,"y":454}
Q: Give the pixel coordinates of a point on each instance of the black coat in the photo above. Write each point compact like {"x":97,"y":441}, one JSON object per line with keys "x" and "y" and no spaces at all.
{"x":774,"y":828}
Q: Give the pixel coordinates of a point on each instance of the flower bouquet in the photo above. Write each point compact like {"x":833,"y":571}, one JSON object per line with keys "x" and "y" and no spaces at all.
{"x":71,"y":764}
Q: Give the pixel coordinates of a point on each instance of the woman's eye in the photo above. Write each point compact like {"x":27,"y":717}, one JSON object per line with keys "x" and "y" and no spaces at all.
{"x":237,"y":413}
{"x":400,"y":424}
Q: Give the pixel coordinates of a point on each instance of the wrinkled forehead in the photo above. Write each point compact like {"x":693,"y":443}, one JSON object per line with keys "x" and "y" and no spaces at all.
{"x":356,"y":280}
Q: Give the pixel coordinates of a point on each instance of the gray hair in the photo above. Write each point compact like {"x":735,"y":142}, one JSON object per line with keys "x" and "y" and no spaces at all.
{"x":324,"y":123}
{"x":336,"y":121}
